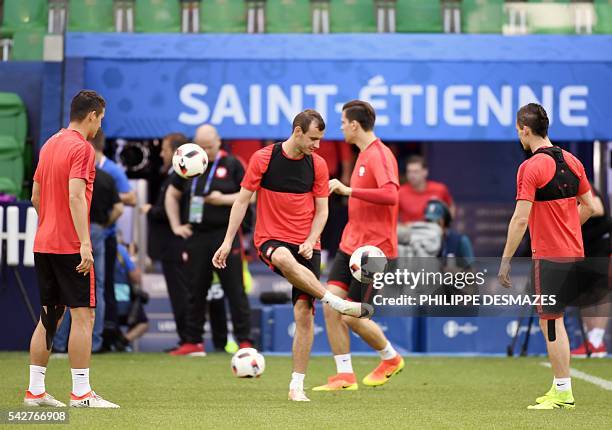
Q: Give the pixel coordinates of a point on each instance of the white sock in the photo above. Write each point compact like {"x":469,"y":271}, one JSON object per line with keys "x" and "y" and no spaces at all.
{"x":388,"y":352}
{"x":297,"y":381}
{"x":80,"y":382}
{"x":37,"y":379}
{"x":563,"y":384}
{"x":596,"y":336}
{"x":333,"y":300}
{"x":343,"y":363}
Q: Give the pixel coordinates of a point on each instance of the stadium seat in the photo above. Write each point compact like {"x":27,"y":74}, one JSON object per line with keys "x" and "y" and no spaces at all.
{"x":28,"y":45}
{"x":417,"y":16}
{"x":91,"y":15}
{"x":13,"y":117}
{"x":22,"y":14}
{"x":352,"y":16}
{"x":288,"y":16}
{"x":157,"y":16}
{"x":11,"y":166}
{"x":222,"y":16}
{"x":482,"y":16}
{"x":603,"y":17}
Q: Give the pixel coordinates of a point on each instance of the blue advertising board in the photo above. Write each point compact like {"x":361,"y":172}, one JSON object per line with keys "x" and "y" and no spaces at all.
{"x":423,"y":87}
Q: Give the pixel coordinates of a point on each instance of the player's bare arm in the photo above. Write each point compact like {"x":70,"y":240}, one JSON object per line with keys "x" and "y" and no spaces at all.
{"x":80,"y":218}
{"x":587,"y":206}
{"x":239,"y":209}
{"x":318,"y":223}
{"x":171,"y":203}
{"x":516,"y":231}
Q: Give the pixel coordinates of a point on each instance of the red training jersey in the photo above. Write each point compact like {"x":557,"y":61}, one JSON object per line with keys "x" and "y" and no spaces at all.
{"x":371,"y":223}
{"x":284,"y":216}
{"x":412,"y":203}
{"x":554,"y":225}
{"x":66,"y":155}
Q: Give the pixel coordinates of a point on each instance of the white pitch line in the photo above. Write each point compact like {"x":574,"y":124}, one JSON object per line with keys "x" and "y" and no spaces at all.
{"x":600,"y":382}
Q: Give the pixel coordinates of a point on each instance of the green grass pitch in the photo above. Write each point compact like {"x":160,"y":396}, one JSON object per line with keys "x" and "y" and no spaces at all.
{"x":159,"y":391}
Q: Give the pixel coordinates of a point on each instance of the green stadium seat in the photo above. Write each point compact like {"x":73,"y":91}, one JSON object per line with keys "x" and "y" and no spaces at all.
{"x":482,"y":16}
{"x":288,"y":16}
{"x":222,"y":16}
{"x":28,"y":45}
{"x":418,"y":16}
{"x":157,"y":16}
{"x":91,"y":16}
{"x":11,"y":166}
{"x":352,"y":16}
{"x":13,"y":117}
{"x":603,"y":17}
{"x":25,"y":14}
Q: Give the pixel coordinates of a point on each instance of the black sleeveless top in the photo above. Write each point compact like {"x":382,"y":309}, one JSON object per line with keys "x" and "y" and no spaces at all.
{"x":286,"y":175}
{"x":564,"y":183}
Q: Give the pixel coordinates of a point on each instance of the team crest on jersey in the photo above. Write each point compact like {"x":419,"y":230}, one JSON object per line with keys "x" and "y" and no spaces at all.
{"x":361,"y":170}
{"x":221,"y":172}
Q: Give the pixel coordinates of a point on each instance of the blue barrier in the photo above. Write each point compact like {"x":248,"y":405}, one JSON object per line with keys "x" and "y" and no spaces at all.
{"x":477,"y":335}
{"x":278,"y":328}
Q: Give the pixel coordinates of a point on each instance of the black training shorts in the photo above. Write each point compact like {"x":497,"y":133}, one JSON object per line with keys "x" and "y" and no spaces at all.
{"x":60,"y":284}
{"x":266,"y":250}
{"x":556,"y":280}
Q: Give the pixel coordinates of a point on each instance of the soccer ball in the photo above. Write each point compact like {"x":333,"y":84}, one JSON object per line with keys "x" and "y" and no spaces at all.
{"x":189,"y":161}
{"x":366,"y":261}
{"x":248,"y":363}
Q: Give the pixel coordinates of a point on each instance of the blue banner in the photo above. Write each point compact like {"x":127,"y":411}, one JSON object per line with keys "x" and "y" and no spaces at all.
{"x":416,"y":96}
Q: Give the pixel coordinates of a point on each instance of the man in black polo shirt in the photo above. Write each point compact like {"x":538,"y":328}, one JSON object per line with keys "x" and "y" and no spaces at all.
{"x":210,"y":201}
{"x":165,"y":246}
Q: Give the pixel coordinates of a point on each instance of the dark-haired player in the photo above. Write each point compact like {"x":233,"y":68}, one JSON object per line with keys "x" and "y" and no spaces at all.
{"x":550,"y":184}
{"x":372,"y":220}
{"x":61,"y":195}
{"x":292,"y":186}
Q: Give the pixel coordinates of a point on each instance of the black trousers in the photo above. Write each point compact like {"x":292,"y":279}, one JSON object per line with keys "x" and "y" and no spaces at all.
{"x":201,"y":248}
{"x":111,"y":318}
{"x":175,"y":274}
{"x":218,"y":317}
{"x":338,"y":217}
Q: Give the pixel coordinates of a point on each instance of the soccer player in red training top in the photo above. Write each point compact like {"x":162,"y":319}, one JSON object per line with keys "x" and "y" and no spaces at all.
{"x":550,"y":185}
{"x":61,"y":195}
{"x":372,"y":220}
{"x":292,"y":185}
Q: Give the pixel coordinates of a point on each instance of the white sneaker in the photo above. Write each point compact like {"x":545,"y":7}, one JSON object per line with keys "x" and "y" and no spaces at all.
{"x":298,"y":396}
{"x":90,"y":400}
{"x":44,"y":399}
{"x":357,"y":309}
